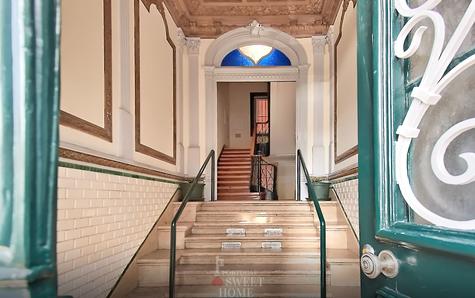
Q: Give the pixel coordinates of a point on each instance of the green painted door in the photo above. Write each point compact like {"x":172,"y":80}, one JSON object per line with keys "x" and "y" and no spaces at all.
{"x":29,"y":93}
{"x":416,"y":78}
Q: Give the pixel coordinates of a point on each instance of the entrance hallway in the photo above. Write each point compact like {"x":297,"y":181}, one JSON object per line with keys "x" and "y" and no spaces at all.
{"x":253,"y":249}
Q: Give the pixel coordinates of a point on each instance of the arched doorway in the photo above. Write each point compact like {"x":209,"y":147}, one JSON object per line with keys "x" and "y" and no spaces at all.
{"x":254,"y":34}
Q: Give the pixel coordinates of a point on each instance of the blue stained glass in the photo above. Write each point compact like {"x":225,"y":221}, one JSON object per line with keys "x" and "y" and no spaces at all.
{"x":274,"y":58}
{"x":236,"y":58}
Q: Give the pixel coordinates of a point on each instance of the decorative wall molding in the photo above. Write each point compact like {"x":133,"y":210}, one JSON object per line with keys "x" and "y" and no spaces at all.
{"x":106,"y":162}
{"x":351,"y":170}
{"x":72,"y":121}
{"x":193,"y":45}
{"x":210,"y":19}
{"x":353,"y":150}
{"x":319,"y":43}
{"x":246,"y":74}
{"x":319,"y":155}
{"x":436,"y":77}
{"x":139,"y":147}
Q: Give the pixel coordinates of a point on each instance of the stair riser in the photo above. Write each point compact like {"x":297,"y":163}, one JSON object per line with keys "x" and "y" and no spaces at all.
{"x":312,"y":244}
{"x":233,"y":190}
{"x":257,"y":208}
{"x":235,"y":159}
{"x":231,"y":183}
{"x":253,"y":230}
{"x":254,"y":219}
{"x":234,"y":173}
{"x":329,"y":212}
{"x":264,"y":279}
{"x":245,"y":259}
{"x":242,"y":179}
{"x":235,"y":156}
{"x":235,"y":168}
{"x":234,"y":163}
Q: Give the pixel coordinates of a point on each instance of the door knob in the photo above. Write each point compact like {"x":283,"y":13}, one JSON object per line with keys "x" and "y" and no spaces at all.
{"x":372,"y":265}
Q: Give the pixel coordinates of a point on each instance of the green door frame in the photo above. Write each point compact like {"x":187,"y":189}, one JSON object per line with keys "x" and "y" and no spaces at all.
{"x":433,"y":261}
{"x":29,"y":89}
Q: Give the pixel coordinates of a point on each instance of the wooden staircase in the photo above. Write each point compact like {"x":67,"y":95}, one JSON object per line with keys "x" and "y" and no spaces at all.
{"x":253,"y":249}
{"x":234,"y":175}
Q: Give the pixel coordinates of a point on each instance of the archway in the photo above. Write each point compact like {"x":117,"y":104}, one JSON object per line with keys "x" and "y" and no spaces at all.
{"x":255,"y":33}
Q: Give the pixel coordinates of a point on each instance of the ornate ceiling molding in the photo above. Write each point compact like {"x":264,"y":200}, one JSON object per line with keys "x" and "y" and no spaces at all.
{"x":212,"y":18}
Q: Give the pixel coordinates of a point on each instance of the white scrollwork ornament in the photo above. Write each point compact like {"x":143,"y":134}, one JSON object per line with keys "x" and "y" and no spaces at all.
{"x":428,"y":93}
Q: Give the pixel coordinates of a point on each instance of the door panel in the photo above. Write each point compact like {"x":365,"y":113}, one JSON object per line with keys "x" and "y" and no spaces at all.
{"x":415,"y":157}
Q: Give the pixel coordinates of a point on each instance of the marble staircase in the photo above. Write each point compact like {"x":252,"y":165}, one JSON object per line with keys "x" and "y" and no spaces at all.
{"x":253,"y":249}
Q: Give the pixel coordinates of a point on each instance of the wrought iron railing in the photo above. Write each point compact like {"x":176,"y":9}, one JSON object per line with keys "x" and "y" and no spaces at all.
{"x":313,"y":197}
{"x":211,"y":157}
{"x":264,"y":177}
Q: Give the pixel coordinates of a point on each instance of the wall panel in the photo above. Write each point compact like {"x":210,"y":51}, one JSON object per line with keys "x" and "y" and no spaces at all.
{"x":86,"y":67}
{"x":155,"y":83}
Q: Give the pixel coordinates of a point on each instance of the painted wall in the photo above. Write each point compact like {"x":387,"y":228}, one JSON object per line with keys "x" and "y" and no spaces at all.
{"x":82,"y":95}
{"x":102,"y":220}
{"x":156,"y":83}
{"x":346,"y":87}
{"x":282,"y":118}
{"x":223,"y":116}
{"x":82,"y":59}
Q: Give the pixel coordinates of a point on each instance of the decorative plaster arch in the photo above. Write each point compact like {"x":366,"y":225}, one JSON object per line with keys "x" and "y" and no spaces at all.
{"x":255,"y":33}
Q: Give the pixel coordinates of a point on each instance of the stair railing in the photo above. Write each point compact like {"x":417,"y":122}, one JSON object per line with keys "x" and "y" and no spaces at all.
{"x":313,"y":196}
{"x":263,"y":176}
{"x":211,"y":157}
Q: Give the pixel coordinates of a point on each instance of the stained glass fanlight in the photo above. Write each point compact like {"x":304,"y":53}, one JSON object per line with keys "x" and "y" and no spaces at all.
{"x":256,"y":55}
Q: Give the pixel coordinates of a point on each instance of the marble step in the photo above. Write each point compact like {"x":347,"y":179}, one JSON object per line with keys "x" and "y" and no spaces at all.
{"x":277,"y":291}
{"x":260,"y":274}
{"x":330,"y":209}
{"x":288,"y":228}
{"x":254,"y":216}
{"x":253,"y":241}
{"x":261,"y":206}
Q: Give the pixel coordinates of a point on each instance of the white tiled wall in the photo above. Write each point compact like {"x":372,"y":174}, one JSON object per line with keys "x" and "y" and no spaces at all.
{"x":348,"y":193}
{"x":102,"y":220}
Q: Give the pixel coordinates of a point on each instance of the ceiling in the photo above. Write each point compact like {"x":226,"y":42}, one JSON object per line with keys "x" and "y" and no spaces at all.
{"x":211,"y":18}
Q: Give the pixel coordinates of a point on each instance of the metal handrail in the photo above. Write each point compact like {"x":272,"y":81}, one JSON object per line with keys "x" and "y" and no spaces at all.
{"x":313,"y":197}
{"x":212,"y":157}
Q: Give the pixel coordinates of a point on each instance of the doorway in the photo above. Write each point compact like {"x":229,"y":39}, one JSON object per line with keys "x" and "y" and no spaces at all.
{"x":260,"y":117}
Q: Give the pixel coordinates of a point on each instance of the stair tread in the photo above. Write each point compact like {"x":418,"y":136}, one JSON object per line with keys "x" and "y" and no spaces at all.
{"x":277,"y":268}
{"x":256,"y":212}
{"x":334,"y":255}
{"x":267,"y":225}
{"x":241,"y":194}
{"x":267,"y":203}
{"x":210,"y":291}
{"x":253,"y":236}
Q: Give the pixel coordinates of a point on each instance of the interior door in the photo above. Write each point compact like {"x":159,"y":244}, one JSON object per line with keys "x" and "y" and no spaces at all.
{"x":416,"y":90}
